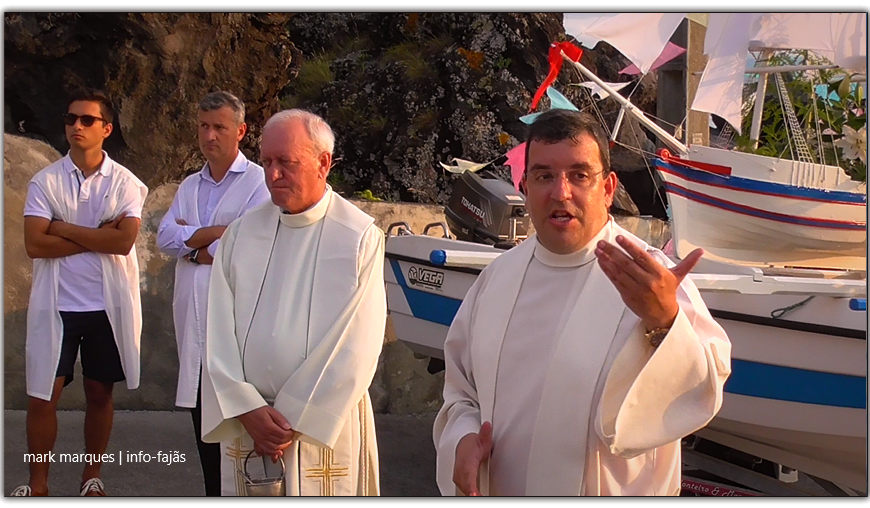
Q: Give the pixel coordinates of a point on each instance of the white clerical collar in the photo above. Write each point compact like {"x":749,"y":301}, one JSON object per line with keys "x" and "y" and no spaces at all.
{"x":581,"y":257}
{"x":313,"y":214}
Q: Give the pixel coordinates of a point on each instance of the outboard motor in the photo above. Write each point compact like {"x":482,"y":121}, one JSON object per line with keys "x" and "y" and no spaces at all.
{"x":487,"y":210}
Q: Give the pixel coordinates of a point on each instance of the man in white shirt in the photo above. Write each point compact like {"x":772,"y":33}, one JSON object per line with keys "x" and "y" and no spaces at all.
{"x":296,"y":317}
{"x":580,"y":358}
{"x":81,"y":219}
{"x":206,"y":203}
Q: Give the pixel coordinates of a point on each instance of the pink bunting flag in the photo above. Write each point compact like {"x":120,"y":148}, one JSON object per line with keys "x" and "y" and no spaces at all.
{"x":670,"y":52}
{"x":516,"y":159}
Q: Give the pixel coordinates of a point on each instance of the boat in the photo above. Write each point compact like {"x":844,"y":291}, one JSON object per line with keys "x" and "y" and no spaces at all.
{"x":784,"y":273}
{"x":741,"y":207}
{"x":798,"y":389}
{"x":797,"y":393}
{"x":803,"y":214}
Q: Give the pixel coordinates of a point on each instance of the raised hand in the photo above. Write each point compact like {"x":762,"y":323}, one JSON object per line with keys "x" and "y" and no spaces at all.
{"x":270,"y":431}
{"x":473,"y":449}
{"x":647,"y":288}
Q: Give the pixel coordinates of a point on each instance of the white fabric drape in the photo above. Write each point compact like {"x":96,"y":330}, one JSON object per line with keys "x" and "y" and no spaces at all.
{"x":120,"y":285}
{"x":322,"y":361}
{"x":190,"y":294}
{"x":613,"y":408}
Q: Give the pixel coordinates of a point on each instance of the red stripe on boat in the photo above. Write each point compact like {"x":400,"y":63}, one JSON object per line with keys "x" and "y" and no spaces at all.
{"x":751,"y":191}
{"x":670,"y":158}
{"x":759,"y":213}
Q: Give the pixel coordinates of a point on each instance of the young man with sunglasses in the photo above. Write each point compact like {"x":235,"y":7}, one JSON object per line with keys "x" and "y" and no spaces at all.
{"x":81,"y":219}
{"x":206,"y":203}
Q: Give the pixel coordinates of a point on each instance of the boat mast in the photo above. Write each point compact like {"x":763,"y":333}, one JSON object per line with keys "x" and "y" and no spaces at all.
{"x":760,"y":91}
{"x":630,"y":108}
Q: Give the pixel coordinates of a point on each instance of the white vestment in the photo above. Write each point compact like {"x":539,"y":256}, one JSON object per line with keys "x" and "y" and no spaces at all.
{"x":607,"y":411}
{"x":296,"y":318}
{"x":120,"y":283}
{"x":190,"y":297}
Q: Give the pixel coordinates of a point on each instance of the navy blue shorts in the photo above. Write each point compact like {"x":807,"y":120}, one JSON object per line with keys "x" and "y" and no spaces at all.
{"x":100,"y":358}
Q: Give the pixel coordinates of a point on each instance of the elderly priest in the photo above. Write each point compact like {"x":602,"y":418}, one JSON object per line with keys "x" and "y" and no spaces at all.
{"x":296,"y":317}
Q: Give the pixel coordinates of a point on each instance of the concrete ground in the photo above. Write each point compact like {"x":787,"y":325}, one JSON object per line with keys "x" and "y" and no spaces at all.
{"x":407,"y":455}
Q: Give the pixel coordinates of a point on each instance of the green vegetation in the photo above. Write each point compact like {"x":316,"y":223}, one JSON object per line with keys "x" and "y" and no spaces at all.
{"x":503,"y":63}
{"x":314,"y":75}
{"x":437,"y":45}
{"x":367,"y":195}
{"x":357,"y":43}
{"x":364,"y":120}
{"x":425,"y":121}
{"x":844,"y":106}
{"x":410,"y":55}
{"x":334,"y":178}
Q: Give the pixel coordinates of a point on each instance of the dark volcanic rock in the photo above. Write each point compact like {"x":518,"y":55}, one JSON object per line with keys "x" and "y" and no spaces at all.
{"x":402,"y":91}
{"x":406,"y":91}
{"x":155,"y":67}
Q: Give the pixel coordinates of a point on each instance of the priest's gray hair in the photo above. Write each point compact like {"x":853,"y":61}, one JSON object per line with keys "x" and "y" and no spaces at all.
{"x":218,"y":100}
{"x":318,"y":130}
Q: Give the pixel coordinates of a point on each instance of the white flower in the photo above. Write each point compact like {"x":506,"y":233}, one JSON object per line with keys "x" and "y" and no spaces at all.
{"x":853,"y":143}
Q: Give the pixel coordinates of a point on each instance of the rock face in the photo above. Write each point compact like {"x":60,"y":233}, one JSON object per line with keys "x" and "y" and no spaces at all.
{"x":402,"y":91}
{"x":22,"y":158}
{"x":155,"y":67}
{"x":406,"y":91}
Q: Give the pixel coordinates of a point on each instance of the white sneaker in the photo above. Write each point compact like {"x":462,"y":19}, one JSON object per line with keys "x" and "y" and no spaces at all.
{"x":22,"y":491}
{"x":93,"y":485}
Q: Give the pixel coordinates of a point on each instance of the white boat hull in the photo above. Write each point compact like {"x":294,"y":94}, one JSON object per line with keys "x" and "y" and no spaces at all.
{"x":797,"y":394}
{"x":422,"y":310}
{"x":754,"y":210}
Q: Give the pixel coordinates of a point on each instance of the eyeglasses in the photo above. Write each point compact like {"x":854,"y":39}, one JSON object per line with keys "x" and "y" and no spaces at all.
{"x":546,"y":177}
{"x":87,"y":120}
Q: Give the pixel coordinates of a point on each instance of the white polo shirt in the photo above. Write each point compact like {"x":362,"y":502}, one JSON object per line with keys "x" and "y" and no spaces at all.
{"x":80,"y":284}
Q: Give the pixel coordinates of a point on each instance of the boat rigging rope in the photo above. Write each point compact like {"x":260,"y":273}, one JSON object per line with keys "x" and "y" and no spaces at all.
{"x":784,"y":120}
{"x":801,"y":149}
{"x":817,"y":120}
{"x":645,"y":154}
{"x":646,"y":159}
{"x":828,"y":115}
{"x":594,"y":106}
{"x":778,"y":313}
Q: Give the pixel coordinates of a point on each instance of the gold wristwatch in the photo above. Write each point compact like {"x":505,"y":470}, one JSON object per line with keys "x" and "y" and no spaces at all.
{"x":656,"y":335}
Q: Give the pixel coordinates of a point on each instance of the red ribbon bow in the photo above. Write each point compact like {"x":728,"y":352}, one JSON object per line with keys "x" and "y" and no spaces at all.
{"x":555,"y":58}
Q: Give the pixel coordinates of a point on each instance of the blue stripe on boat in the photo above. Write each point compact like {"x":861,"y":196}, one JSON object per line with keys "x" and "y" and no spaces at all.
{"x":772,"y":188}
{"x":753,"y":212}
{"x":796,"y":385}
{"x":427,"y":306}
{"x":747,"y":378}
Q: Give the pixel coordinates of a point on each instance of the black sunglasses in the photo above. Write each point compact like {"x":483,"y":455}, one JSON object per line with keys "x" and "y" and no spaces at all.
{"x":87,"y":120}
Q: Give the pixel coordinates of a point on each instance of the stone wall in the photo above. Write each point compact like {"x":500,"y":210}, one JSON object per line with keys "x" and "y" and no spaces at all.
{"x":401,"y":385}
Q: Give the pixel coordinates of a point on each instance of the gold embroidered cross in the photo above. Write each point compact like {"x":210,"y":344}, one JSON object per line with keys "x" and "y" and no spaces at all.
{"x":237,"y":452}
{"x":325,"y":473}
